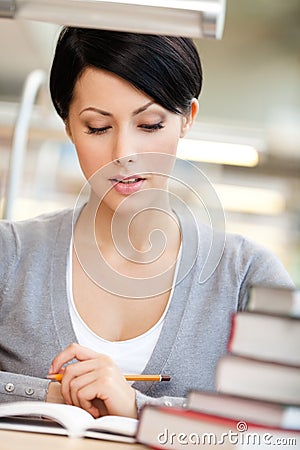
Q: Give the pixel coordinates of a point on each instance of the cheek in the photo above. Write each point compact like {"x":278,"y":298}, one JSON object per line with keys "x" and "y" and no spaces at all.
{"x":91,"y":156}
{"x":172,"y":137}
{"x":167,"y":143}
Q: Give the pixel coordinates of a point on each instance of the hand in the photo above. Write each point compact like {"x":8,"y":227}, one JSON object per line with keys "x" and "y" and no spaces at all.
{"x":54,"y":393}
{"x":94,"y":378}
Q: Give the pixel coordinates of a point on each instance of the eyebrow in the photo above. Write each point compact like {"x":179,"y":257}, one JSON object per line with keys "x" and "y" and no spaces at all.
{"x":106,"y":113}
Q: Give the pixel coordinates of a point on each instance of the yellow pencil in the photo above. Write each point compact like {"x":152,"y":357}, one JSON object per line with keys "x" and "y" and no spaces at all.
{"x":58,"y":377}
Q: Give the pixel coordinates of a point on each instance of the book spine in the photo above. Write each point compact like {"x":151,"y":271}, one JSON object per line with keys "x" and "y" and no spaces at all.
{"x":295,"y":311}
{"x":232,"y":332}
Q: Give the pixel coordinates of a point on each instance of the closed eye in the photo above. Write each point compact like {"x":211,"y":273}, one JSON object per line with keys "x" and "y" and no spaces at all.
{"x":152,"y":127}
{"x":92,"y":130}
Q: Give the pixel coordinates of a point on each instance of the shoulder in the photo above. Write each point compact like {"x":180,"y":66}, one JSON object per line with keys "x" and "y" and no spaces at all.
{"x":19,"y":236}
{"x":254,"y":258}
{"x":23,"y":241}
{"x":254,"y":264}
{"x":240,"y":259}
{"x":13,"y":230}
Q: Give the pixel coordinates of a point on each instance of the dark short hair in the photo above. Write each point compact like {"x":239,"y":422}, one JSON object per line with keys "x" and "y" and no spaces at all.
{"x":166,"y":68}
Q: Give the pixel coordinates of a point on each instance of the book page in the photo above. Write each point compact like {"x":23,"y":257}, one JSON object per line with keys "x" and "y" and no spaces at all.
{"x":115,"y":424}
{"x":73,"y":420}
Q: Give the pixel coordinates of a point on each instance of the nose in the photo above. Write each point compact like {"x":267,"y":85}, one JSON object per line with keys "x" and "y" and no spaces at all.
{"x":123,"y":151}
{"x":125,"y":160}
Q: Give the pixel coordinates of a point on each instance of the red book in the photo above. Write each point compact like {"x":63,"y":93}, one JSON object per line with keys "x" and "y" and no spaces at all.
{"x":248,"y":409}
{"x":177,"y":429}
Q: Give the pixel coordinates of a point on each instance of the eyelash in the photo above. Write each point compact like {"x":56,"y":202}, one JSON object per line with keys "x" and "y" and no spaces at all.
{"x":153,"y":127}
{"x":149,"y":128}
{"x":92,"y":130}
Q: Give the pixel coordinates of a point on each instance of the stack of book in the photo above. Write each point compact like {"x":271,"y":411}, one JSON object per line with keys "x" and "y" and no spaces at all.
{"x":257,"y":403}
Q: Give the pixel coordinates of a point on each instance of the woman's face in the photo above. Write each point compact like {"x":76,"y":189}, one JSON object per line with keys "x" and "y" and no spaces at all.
{"x":123,"y":132}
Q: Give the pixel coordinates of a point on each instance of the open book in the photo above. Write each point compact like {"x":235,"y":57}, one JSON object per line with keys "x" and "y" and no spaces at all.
{"x":53,"y":418}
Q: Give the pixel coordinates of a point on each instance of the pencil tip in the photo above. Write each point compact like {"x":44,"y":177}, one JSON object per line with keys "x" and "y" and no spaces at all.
{"x":165,"y":378}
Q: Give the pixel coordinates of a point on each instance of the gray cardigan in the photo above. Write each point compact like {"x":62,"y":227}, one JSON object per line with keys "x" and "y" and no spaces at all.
{"x":35,"y":323}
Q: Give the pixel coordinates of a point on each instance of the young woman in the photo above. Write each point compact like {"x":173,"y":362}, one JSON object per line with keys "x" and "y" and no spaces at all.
{"x":113,"y":287}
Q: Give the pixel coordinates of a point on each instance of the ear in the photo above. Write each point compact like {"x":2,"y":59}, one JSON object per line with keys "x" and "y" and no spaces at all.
{"x":68,"y":130}
{"x":189,"y":119}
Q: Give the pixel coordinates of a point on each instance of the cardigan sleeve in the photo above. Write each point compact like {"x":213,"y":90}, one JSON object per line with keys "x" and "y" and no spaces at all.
{"x":141,"y":400}
{"x":13,"y":386}
{"x":8,"y":252}
{"x":17,"y":387}
{"x":256,"y":265}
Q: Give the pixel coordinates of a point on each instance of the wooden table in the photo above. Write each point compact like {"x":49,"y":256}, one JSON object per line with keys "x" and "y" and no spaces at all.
{"x":17,"y":440}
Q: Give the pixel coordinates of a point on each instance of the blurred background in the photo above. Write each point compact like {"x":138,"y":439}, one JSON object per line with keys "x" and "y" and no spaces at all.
{"x":250,"y":102}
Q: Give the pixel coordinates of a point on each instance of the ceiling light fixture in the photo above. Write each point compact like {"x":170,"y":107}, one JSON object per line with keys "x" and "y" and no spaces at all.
{"x":192,"y":18}
{"x":218,"y":152}
{"x":251,"y":199}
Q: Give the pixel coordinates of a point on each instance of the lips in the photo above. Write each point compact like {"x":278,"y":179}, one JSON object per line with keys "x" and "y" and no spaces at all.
{"x":127,"y":185}
{"x":127,"y":180}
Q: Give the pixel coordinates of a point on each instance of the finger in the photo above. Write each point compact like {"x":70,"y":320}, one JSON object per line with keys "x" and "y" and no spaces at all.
{"x":100,"y":405}
{"x":73,"y":351}
{"x":77,"y":369}
{"x":78,"y":374}
{"x":106,"y":384}
{"x":84,"y":389}
{"x":76,"y":384}
{"x":87,"y":394}
{"x":72,"y":375}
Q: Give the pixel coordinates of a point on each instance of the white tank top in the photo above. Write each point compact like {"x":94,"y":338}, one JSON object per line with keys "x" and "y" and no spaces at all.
{"x":132,"y":355}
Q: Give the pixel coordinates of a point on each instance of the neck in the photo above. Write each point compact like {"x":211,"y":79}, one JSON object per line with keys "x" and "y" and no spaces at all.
{"x":138,"y":234}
